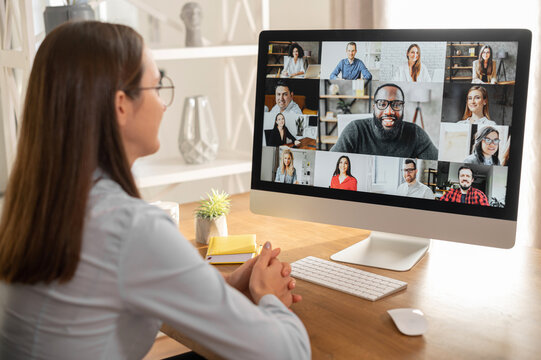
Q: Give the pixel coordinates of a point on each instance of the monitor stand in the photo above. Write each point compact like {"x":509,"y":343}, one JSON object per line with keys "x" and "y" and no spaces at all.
{"x":386,"y":251}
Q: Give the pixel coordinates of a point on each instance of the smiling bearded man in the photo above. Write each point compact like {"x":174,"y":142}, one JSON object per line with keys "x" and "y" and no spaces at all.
{"x":386,"y":134}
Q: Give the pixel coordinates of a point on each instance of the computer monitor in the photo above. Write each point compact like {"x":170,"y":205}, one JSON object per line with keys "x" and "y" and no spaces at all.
{"x":418,"y":136}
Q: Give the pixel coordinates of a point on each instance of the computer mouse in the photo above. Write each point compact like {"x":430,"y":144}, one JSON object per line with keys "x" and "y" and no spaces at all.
{"x":410,"y":322}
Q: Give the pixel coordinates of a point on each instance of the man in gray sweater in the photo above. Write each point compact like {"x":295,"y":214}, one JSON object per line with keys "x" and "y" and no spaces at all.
{"x":386,"y":134}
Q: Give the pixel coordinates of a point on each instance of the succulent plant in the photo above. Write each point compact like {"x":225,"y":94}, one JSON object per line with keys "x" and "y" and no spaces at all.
{"x":215,"y":205}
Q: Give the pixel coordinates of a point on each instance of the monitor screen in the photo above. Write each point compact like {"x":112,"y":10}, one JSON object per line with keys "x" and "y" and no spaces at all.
{"x":415,"y":132}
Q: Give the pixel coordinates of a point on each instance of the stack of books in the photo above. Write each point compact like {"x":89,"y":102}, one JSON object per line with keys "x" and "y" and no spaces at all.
{"x":232,"y":249}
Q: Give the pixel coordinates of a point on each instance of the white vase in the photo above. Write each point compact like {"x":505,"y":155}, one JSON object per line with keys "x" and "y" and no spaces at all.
{"x":205,"y":228}
{"x":198,"y":137}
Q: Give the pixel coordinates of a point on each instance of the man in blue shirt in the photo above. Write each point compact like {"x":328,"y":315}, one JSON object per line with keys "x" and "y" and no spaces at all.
{"x":351,"y":68}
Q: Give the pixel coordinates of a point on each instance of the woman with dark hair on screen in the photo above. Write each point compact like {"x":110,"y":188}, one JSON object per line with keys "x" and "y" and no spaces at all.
{"x":294,"y":64}
{"x":414,"y":70}
{"x":342,"y":178}
{"x":476,"y":111}
{"x":89,"y":270}
{"x":486,"y":148}
{"x":280,"y":132}
{"x":484,"y":68}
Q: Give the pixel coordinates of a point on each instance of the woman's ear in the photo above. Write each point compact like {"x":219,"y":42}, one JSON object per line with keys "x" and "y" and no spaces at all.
{"x":122,"y":108}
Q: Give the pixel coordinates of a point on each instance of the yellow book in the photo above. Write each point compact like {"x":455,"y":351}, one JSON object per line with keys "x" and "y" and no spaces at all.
{"x":232,"y":249}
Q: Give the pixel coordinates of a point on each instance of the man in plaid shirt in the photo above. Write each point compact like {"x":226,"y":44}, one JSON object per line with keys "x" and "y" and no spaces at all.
{"x":466,"y":194}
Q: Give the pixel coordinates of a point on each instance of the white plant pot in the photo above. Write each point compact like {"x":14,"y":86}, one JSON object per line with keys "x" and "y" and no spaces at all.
{"x":205,"y":228}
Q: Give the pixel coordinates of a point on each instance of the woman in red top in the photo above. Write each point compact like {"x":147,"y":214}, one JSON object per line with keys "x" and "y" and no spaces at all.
{"x":342,"y":178}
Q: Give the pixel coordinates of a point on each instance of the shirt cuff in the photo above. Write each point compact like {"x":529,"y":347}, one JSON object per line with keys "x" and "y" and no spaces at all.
{"x":271,"y":300}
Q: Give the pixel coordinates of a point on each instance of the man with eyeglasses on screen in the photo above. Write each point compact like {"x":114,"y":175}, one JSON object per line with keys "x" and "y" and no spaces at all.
{"x":386,"y":134}
{"x":412,"y":187}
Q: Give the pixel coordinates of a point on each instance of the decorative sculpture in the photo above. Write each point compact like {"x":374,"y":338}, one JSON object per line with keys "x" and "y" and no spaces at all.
{"x":191,"y":15}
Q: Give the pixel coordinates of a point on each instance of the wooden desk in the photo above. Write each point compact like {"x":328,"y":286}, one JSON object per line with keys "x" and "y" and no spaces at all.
{"x":305,"y":143}
{"x":481,"y":303}
{"x":509,"y":82}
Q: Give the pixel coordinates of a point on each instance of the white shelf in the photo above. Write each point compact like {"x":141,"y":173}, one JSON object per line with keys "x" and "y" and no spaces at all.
{"x":204,"y":52}
{"x":172,"y":170}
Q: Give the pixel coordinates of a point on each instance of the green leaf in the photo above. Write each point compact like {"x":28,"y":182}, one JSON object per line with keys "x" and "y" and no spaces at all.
{"x":214,"y":206}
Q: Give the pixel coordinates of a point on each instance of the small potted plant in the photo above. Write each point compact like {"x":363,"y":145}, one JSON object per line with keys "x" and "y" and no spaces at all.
{"x":344,"y":107}
{"x":300,"y":126}
{"x":210,"y":216}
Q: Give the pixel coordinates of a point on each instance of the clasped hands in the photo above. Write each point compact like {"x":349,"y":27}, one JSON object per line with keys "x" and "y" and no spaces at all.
{"x":265,"y":274}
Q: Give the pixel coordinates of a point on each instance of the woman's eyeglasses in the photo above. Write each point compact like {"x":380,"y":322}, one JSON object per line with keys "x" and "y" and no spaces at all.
{"x":490,"y":141}
{"x":165,"y":90}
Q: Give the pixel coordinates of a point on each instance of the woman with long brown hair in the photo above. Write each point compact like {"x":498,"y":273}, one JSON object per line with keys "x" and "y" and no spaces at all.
{"x":88,"y":269}
{"x":280,"y":133}
{"x":484,"y":68}
{"x":414,"y":70}
{"x":476,"y":111}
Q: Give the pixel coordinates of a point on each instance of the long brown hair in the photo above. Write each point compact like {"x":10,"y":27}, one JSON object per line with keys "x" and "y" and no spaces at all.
{"x":467,"y":111}
{"x":416,"y":68}
{"x":491,"y":66}
{"x":69,"y":129}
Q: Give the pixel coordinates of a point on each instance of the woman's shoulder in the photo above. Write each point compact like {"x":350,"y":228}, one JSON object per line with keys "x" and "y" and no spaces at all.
{"x":471,"y":159}
{"x":485,"y":121}
{"x":111,"y":207}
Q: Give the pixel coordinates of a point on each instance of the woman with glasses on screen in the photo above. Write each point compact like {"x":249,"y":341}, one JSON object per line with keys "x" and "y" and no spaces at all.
{"x":342,"y":178}
{"x":89,"y":270}
{"x":414,"y":70}
{"x":486,"y":148}
{"x":286,"y":172}
{"x":484,"y":68}
{"x":476,"y":111}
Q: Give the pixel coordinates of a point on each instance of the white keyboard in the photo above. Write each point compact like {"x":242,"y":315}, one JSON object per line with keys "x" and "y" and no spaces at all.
{"x":344,"y":278}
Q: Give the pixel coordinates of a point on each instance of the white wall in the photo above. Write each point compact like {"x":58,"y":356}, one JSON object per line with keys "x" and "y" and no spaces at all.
{"x":268,"y":159}
{"x":386,"y":175}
